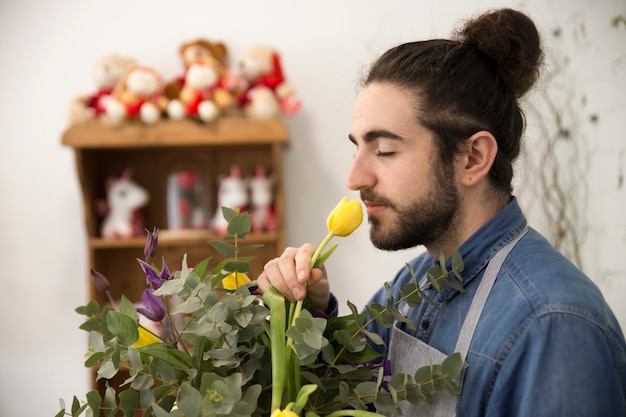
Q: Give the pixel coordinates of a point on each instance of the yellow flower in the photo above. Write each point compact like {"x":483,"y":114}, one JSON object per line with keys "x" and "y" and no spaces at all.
{"x":283,"y":413}
{"x":145,"y":338}
{"x":235,"y":280}
{"x":345,"y":217}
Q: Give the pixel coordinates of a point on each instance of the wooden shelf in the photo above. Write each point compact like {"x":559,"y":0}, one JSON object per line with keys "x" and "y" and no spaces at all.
{"x":177,"y":238}
{"x":176,"y":133}
{"x":153,"y":152}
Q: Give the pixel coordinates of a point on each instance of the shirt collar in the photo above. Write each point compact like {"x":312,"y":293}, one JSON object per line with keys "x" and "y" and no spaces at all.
{"x":478,"y":250}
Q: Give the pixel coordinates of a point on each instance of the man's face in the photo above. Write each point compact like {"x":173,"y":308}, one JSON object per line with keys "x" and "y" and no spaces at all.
{"x":411,"y":198}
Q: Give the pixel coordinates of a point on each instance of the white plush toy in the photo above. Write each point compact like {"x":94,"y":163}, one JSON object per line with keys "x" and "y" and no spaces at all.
{"x":261,"y":200}
{"x":264,"y":91}
{"x":232,"y":193}
{"x":123,"y":200}
{"x":108,"y":71}
{"x":138,"y":95}
{"x":196,"y":96}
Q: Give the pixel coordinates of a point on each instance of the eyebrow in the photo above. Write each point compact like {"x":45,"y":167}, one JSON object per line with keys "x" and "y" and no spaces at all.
{"x":373,"y":135}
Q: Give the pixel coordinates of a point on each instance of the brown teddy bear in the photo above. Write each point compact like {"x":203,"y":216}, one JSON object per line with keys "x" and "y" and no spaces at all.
{"x":264,"y":91}
{"x":190,"y":52}
{"x":108,"y":71}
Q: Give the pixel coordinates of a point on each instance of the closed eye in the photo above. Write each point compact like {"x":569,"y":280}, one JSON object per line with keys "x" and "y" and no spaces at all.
{"x":384,"y":154}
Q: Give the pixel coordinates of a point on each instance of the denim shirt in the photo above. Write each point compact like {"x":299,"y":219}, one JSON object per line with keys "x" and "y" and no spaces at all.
{"x":547,"y":344}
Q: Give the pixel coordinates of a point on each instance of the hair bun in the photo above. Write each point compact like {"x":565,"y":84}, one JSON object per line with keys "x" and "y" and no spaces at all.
{"x":510,"y":40}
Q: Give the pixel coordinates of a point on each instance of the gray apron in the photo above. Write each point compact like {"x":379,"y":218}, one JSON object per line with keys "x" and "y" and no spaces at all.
{"x":408,"y":353}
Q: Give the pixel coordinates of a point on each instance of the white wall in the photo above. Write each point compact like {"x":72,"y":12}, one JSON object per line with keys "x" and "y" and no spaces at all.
{"x":47,"y":50}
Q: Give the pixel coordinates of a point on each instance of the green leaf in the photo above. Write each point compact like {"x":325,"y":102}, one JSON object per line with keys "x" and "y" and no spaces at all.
{"x":433,"y":275}
{"x":324,"y":256}
{"x":229,"y":213}
{"x":238,"y":266}
{"x":170,"y":287}
{"x":201,"y":267}
{"x":129,"y":399}
{"x":457,"y":263}
{"x":128,"y":308}
{"x":94,"y":359}
{"x":96,"y":342}
{"x":169,"y":354}
{"x":224,"y":248}
{"x":142,"y":382}
{"x":401,"y":318}
{"x":410,"y":293}
{"x":91,"y":309}
{"x":189,"y":401}
{"x":107,"y":370}
{"x":452,"y":366}
{"x":239,"y":225}
{"x":95,"y":401}
{"x":123,"y":327}
{"x":455,"y":283}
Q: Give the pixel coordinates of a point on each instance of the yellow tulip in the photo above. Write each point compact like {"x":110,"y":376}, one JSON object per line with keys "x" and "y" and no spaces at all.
{"x":345,"y":217}
{"x":145,"y":338}
{"x":235,"y":280}
{"x":283,"y":413}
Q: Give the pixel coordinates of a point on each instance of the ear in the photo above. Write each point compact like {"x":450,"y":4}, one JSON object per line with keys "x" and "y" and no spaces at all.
{"x":481,"y":149}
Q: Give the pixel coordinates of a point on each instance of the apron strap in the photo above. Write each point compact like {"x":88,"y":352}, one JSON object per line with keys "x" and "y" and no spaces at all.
{"x":482,"y":293}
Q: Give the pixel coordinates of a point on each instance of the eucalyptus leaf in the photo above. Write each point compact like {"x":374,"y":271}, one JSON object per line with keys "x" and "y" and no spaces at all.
{"x":107,"y":370}
{"x":123,"y":327}
{"x":128,"y":308}
{"x":189,"y":401}
{"x":239,"y":225}
{"x":169,"y":354}
{"x":129,"y":399}
{"x":95,"y":401}
{"x":224,"y":248}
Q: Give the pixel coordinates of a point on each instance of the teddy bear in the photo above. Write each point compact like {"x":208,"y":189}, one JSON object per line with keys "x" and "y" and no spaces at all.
{"x":137,"y":96}
{"x":191,"y":52}
{"x":264,"y":91}
{"x":107,"y":72}
{"x":203,"y":94}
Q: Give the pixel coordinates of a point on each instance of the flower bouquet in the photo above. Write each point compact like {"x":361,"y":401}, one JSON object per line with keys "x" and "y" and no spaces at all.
{"x":230,"y":351}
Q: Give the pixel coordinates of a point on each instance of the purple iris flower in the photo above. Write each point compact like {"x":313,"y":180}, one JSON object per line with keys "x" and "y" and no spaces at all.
{"x":151,"y":306}
{"x":152,"y":241}
{"x":155,"y":278}
{"x":99,"y":281}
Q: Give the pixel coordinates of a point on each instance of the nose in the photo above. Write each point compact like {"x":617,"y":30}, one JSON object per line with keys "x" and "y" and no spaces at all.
{"x":360,"y":175}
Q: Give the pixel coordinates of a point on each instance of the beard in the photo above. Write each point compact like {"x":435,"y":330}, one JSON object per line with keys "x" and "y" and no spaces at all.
{"x":425,"y":222}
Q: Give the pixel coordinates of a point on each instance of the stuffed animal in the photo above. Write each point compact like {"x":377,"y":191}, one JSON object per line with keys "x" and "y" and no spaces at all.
{"x":190,"y":52}
{"x":124,"y":198}
{"x":232,"y":193}
{"x":138,"y":96}
{"x":261,"y":188}
{"x":108,"y":71}
{"x":264,"y":91}
{"x":204,"y":94}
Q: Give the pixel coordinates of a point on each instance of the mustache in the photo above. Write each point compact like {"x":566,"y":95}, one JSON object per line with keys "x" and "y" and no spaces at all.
{"x":369,"y":195}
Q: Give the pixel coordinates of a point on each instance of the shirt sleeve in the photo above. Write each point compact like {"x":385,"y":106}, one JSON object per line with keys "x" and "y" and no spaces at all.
{"x":561,"y":364}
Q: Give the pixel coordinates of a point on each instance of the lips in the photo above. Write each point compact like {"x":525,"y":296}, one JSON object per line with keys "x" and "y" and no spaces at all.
{"x":374,"y":207}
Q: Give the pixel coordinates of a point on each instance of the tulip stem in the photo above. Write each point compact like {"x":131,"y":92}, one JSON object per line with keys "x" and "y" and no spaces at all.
{"x":314,"y":259}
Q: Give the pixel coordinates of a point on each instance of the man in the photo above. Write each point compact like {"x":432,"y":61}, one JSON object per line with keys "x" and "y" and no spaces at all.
{"x":437,"y":127}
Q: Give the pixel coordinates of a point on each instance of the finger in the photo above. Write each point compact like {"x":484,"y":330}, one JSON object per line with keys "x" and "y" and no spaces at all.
{"x":286,"y":264}
{"x":303,"y":262}
{"x":272,"y":276}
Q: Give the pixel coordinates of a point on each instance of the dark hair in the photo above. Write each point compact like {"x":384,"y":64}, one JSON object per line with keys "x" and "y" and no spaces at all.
{"x":470,"y":83}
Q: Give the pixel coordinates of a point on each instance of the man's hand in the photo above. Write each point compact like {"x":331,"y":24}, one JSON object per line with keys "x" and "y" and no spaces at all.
{"x":291,"y":274}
